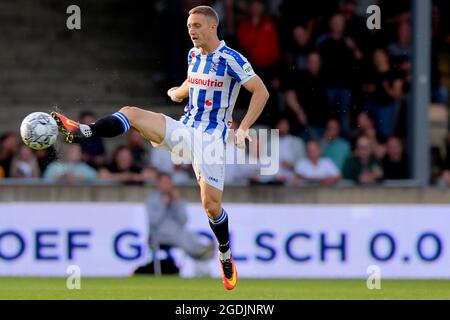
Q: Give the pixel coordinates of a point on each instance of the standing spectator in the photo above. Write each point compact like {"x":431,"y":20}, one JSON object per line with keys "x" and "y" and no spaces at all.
{"x":292,"y":149}
{"x":355,"y":25}
{"x":25,"y":164}
{"x":70,"y":169}
{"x":299,"y":49}
{"x":395,"y":163}
{"x":9,"y":145}
{"x":305,"y":96}
{"x":362,"y":167}
{"x":335,"y":147}
{"x":340,"y":56}
{"x":123,"y":169}
{"x":400,"y":50}
{"x":258,"y":36}
{"x":315,"y":168}
{"x":93,"y":149}
{"x":167,"y":214}
{"x":383,"y":89}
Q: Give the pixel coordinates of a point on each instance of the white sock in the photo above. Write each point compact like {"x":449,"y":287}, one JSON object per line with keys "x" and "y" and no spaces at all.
{"x":225,"y":255}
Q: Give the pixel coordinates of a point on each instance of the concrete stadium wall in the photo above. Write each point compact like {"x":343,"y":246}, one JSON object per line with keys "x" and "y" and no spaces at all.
{"x":254,"y":194}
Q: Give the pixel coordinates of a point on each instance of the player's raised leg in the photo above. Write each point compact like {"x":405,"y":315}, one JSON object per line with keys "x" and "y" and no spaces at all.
{"x":218,"y":221}
{"x":150,"y":124}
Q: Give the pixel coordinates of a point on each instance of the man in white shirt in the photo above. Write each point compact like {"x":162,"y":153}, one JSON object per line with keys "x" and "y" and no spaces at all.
{"x":292,"y":149}
{"x":315,"y":168}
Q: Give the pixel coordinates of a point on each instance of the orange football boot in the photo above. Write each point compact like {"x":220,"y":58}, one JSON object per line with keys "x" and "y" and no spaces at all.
{"x":69,"y":128}
{"x":229,"y":273}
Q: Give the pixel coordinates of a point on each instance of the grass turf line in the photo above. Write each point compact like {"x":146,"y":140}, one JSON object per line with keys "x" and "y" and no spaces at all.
{"x":174,"y":288}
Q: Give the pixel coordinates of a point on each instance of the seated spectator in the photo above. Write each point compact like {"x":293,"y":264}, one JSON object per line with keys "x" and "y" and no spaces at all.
{"x":365,"y":127}
{"x":237,"y":170}
{"x":45,"y":157}
{"x":123,"y":169}
{"x":305,"y":96}
{"x":334,"y":147}
{"x":70,"y":169}
{"x":164,"y":161}
{"x":9,"y":145}
{"x":362,"y":167}
{"x":382,"y":89}
{"x":379,"y":148}
{"x":364,"y":122}
{"x":395,"y":163}
{"x":2,"y":172}
{"x":292,"y":149}
{"x":25,"y":164}
{"x":316,"y":168}
{"x":168,"y":219}
{"x":93,"y":149}
{"x":136,"y":144}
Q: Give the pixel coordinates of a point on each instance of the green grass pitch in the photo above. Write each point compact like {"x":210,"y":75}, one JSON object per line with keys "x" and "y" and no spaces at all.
{"x":173,"y":288}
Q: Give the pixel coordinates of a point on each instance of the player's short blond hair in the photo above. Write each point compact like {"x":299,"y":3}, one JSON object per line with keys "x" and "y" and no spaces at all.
{"x":207,"y":11}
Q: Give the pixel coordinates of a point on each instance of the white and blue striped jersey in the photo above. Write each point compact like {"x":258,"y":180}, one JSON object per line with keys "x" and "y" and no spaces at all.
{"x":214,"y":83}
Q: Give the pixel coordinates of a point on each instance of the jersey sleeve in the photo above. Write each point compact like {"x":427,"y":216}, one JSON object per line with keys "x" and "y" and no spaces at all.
{"x":238,"y":66}
{"x":190,"y":56}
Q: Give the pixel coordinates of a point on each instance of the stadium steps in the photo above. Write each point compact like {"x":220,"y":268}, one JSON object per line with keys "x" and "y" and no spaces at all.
{"x":43,"y":64}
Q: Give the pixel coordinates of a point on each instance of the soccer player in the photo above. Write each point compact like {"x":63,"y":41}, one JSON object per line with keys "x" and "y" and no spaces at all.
{"x":215,"y":75}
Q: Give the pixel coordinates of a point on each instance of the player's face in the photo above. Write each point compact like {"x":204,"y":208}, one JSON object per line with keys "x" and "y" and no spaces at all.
{"x":201,"y":29}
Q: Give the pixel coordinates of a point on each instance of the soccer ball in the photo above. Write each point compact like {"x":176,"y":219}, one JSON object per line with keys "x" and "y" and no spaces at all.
{"x":38,"y":130}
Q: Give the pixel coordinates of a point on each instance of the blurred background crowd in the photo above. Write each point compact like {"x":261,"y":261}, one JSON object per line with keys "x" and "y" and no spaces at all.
{"x":339,"y":97}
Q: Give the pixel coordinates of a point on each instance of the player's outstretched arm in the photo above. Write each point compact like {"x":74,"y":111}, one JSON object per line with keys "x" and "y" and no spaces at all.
{"x":260,"y":95}
{"x":178,"y":94}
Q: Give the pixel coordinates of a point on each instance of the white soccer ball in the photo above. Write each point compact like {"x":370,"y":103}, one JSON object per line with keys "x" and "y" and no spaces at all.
{"x":39,"y":130}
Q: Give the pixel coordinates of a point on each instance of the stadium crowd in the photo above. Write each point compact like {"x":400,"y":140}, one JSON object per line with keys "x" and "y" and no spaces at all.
{"x":339,"y":97}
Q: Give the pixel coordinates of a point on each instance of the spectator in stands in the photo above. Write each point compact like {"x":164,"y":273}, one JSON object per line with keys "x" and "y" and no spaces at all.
{"x":45,"y":157}
{"x":364,"y":122}
{"x":334,"y":146}
{"x":237,"y":170}
{"x":400,"y":50}
{"x":136,"y":144}
{"x":395,"y":163}
{"x":123,"y":169}
{"x":70,"y":169}
{"x":164,"y":161}
{"x":9,"y":145}
{"x":355,"y":25}
{"x":292,"y":149}
{"x":299,"y":49}
{"x":258,"y":36}
{"x":362,"y":167}
{"x":315,"y":168}
{"x":378,"y":147}
{"x":93,"y":149}
{"x":340,"y":55}
{"x":25,"y":164}
{"x":305,"y":97}
{"x":2,"y":172}
{"x":168,"y":219}
{"x":382,"y":90}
